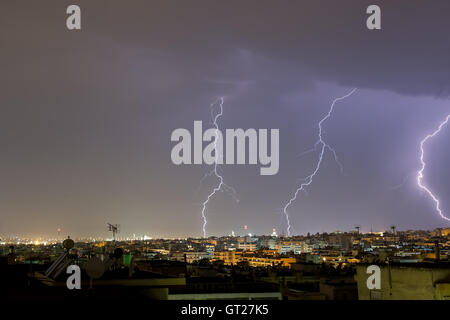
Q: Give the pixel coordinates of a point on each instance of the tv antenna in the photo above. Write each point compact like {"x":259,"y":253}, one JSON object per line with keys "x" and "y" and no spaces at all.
{"x":393,"y":227}
{"x":114,"y":228}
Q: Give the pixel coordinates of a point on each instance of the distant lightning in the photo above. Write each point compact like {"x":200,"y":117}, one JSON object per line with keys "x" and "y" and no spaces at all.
{"x":323,"y":146}
{"x":221,"y":186}
{"x":422,"y":169}
{"x":408,"y":176}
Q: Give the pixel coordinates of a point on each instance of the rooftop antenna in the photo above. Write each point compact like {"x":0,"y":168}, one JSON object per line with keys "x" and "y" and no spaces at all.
{"x":393,"y":229}
{"x":114,"y":228}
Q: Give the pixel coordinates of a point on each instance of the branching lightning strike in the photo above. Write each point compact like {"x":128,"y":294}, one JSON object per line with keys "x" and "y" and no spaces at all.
{"x":323,"y":146}
{"x":221,"y":186}
{"x":422,"y":169}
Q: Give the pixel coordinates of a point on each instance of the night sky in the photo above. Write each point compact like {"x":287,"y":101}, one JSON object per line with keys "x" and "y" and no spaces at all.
{"x":86,"y":116}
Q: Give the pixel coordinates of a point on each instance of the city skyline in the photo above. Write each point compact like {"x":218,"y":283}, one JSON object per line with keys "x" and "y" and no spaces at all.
{"x":107,"y":236}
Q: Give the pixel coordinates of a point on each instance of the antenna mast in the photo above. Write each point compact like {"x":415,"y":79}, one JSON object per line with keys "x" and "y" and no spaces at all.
{"x":114,"y":228}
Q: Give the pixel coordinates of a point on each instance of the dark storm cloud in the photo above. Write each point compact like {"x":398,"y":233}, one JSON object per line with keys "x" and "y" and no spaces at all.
{"x":86,"y":115}
{"x":328,"y":38}
{"x":409,"y":55}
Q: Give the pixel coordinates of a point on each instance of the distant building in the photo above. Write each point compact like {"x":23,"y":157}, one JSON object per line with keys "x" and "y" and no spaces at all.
{"x":441,"y":232}
{"x":288,"y":248}
{"x":228,"y":257}
{"x":247,"y":246}
{"x":268,"y":243}
{"x":255,"y":261}
{"x":190,"y":256}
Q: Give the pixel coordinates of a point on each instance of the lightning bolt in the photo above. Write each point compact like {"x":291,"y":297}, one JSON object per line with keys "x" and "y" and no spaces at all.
{"x":323,"y":147}
{"x":221,"y":186}
{"x":422,"y":169}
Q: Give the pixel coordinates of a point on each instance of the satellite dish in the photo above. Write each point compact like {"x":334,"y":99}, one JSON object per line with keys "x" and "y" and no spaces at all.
{"x":95,"y":268}
{"x":118,"y":253}
{"x":68,"y":244}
